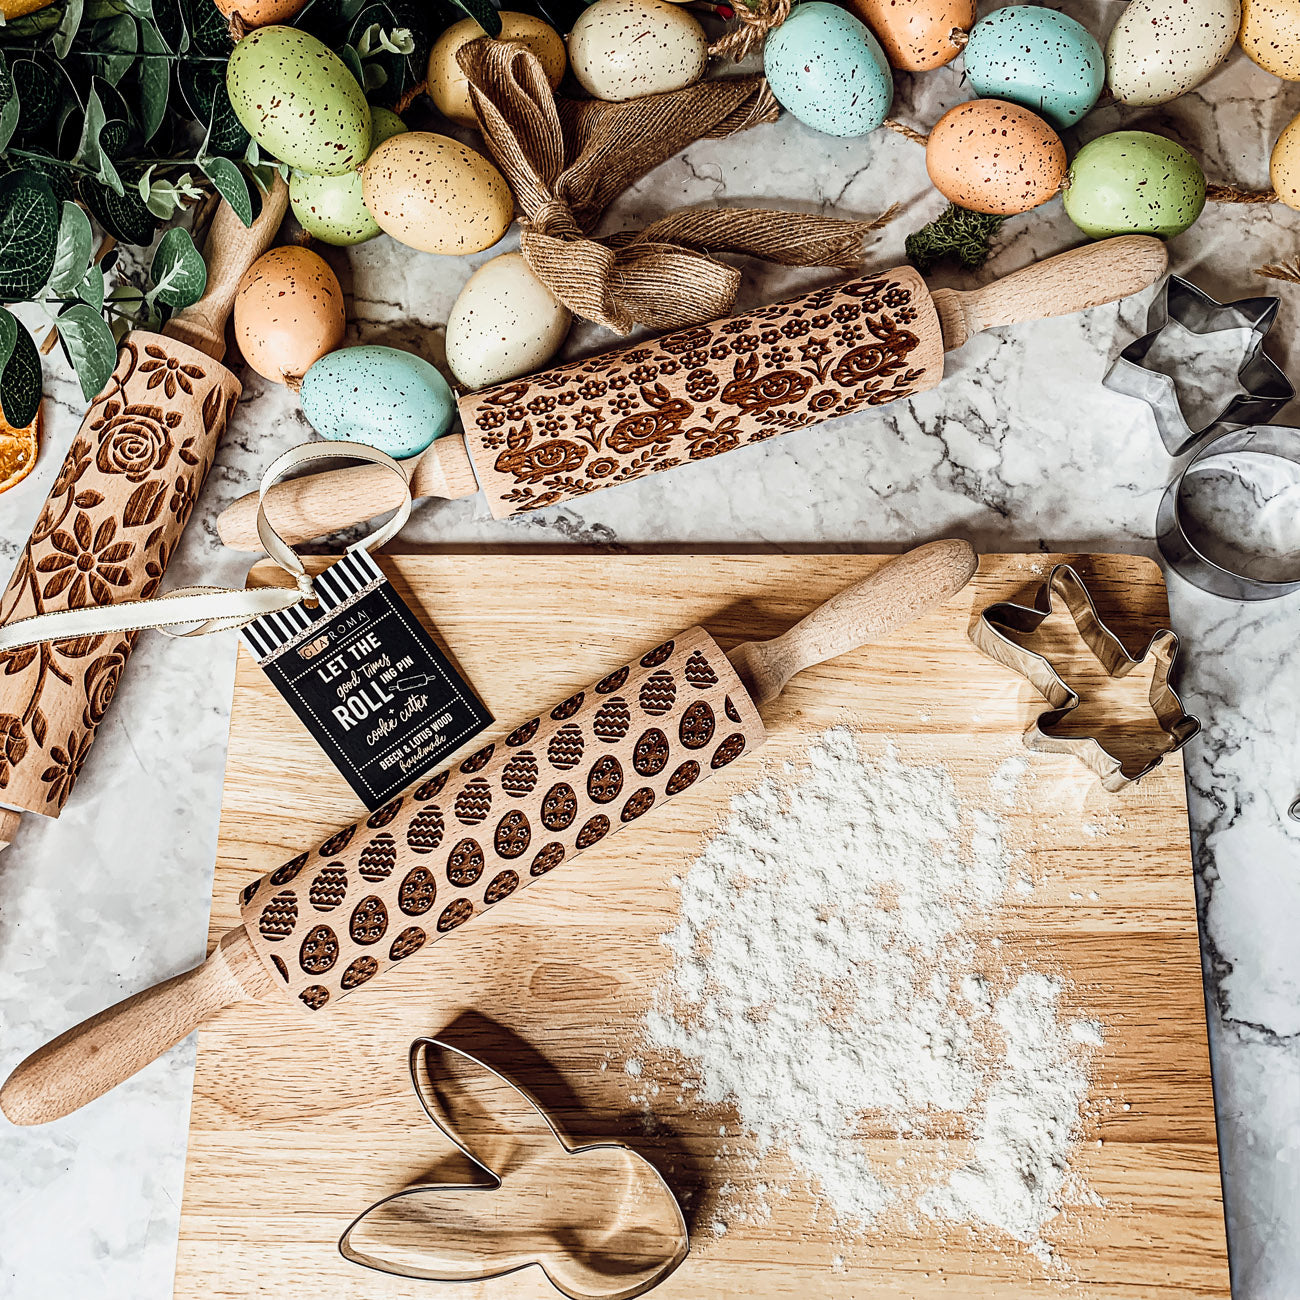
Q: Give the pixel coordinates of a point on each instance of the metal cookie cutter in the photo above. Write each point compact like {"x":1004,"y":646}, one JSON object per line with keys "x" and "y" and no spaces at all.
{"x":1001,"y":632}
{"x":599,"y":1220}
{"x":1263,"y":390}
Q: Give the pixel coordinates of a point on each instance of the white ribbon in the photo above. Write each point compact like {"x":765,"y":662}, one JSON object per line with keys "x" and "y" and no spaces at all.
{"x":215,"y":609}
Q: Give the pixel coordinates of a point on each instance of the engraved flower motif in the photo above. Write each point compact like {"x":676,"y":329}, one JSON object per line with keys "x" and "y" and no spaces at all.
{"x":815,"y":349}
{"x":516,"y":413}
{"x":182,"y":499}
{"x":847,"y":335}
{"x":621,"y":404}
{"x":62,"y":773}
{"x":86,"y":563}
{"x":550,"y":425}
{"x":567,"y":398}
{"x":13,"y":745}
{"x":167,"y":371}
{"x":100,"y":680}
{"x":720,"y":351}
{"x":737,"y":325}
{"x":593,"y":389}
{"x":820,"y":322}
{"x":695,"y":357}
{"x":796,"y":328}
{"x":769,"y":336}
{"x":490,"y":419}
{"x":541,"y":404}
{"x":669,"y":367}
{"x":777,"y":356}
{"x":134,"y":440}
{"x":897,"y":297}
{"x":589,"y":419}
{"x":745,"y":342}
{"x":638,"y":354}
{"x":617,"y":383}
{"x":73,"y":467}
{"x":644,"y":374}
{"x":847,"y":311}
{"x":905,"y":315}
{"x":602,"y":468}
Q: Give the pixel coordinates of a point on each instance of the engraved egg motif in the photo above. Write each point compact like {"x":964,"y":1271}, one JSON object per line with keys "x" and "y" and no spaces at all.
{"x":605,"y":779}
{"x":612,"y":720}
{"x":474,"y":802}
{"x":337,"y":843}
{"x":315,"y":996}
{"x":358,"y":972}
{"x":378,"y":858}
{"x":280,"y":968}
{"x":659,"y":655}
{"x":512,"y":835}
{"x":283,"y":875}
{"x":699,"y":672}
{"x":611,"y":683}
{"x":478,"y":760}
{"x":249,"y":891}
{"x":417,"y":891}
{"x":730,"y":709}
{"x":523,"y":734}
{"x":279,"y":917}
{"x":638,"y":804}
{"x":502,"y":885}
{"x":369,"y":920}
{"x":595,"y":828}
{"x":727,"y":752}
{"x":565,"y":748}
{"x":519,"y":775}
{"x":549,"y":856}
{"x":465,"y":863}
{"x":427,"y":790}
{"x":384,"y":816}
{"x":650,"y":756}
{"x":411,"y":940}
{"x":559,"y":807}
{"x":455,"y":913}
{"x":567,"y":708}
{"x":319,"y":951}
{"x":696,"y":727}
{"x":329,"y":888}
{"x":684,"y":776}
{"x":424,"y":834}
{"x":658,"y":694}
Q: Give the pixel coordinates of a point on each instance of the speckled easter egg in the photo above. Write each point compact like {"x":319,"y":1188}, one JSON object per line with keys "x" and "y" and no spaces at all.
{"x":504,"y":323}
{"x":1160,"y":49}
{"x":380,"y":396}
{"x":288,"y":312}
{"x":448,"y":85}
{"x":259,"y":13}
{"x":1134,"y":183}
{"x":623,"y":49}
{"x":435,"y":194}
{"x":828,"y":70}
{"x":1039,"y":59}
{"x":1284,"y":167}
{"x":333,"y":208}
{"x":992,"y":156}
{"x":917,"y":35}
{"x":298,"y":100}
{"x":1270,"y":35}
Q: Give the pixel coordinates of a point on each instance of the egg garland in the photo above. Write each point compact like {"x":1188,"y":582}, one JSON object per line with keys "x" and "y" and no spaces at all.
{"x":1160,"y":49}
{"x":1134,"y":182}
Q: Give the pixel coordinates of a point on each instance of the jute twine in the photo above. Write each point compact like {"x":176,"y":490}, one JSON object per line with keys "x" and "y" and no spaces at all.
{"x":1286,"y":271}
{"x":753,"y":24}
{"x":566,"y":161}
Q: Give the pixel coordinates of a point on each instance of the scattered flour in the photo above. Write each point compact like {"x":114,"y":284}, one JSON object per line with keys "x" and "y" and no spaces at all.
{"x":833,"y":962}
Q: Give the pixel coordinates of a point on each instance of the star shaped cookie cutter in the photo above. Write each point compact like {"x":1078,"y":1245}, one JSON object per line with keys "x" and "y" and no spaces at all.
{"x":1262,"y":389}
{"x":598,"y":1219}
{"x":1001,"y":631}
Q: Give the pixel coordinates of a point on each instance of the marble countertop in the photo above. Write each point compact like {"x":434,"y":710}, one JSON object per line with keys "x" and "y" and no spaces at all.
{"x":1020,"y":449}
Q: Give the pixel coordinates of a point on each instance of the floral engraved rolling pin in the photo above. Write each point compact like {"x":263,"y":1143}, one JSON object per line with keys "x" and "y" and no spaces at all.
{"x":372,"y":895}
{"x":557,"y":435}
{"x":112,"y":520}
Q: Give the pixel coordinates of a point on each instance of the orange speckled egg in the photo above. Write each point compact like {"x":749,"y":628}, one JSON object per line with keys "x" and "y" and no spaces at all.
{"x":261,"y":13}
{"x":288,"y":312}
{"x":991,"y":156}
{"x":917,"y":34}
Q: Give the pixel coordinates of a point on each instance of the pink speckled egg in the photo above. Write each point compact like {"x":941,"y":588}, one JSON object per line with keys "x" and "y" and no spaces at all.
{"x":991,"y":156}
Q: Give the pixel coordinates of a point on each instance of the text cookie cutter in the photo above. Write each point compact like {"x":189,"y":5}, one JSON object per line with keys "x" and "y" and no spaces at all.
{"x":598,"y":1219}
{"x":1001,"y":631}
{"x":1262,"y":388}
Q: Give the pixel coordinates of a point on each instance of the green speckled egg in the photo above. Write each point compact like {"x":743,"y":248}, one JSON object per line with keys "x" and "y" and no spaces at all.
{"x":332,"y":208}
{"x":380,"y":396}
{"x":828,"y":70}
{"x":298,"y":100}
{"x":1134,"y":183}
{"x":1038,"y":58}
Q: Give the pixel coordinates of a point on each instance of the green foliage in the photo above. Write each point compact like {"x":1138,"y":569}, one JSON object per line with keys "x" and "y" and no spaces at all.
{"x":958,"y":234}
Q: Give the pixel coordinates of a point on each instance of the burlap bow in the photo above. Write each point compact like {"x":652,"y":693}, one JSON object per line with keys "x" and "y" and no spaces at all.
{"x":567,"y":160}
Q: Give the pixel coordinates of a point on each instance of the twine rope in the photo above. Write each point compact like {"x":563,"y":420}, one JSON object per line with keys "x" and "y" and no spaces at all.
{"x":754,"y":23}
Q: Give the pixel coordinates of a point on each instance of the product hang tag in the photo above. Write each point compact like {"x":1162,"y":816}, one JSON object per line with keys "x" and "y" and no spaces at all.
{"x":366,"y":679}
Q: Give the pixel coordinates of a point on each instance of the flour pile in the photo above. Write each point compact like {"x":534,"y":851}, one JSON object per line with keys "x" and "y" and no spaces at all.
{"x":835,"y":967}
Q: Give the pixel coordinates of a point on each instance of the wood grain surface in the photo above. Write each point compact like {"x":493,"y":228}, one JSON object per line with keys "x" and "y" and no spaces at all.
{"x":299,"y":1123}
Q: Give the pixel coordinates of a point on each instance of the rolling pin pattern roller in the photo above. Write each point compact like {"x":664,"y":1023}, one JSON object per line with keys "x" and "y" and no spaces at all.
{"x":376,"y":892}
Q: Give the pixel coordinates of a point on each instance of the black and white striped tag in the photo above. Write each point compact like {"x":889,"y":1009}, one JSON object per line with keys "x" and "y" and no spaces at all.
{"x":366,"y":679}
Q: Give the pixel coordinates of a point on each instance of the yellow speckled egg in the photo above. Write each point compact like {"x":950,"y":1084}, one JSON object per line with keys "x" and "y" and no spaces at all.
{"x":448,"y":87}
{"x":1284,"y":168}
{"x":260,"y":13}
{"x":288,"y":312}
{"x":1270,"y":35}
{"x":917,"y":34}
{"x":995,"y":157}
{"x":435,"y":194}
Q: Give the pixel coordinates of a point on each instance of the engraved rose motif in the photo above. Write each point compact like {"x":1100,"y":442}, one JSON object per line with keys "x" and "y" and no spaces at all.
{"x":101,"y":679}
{"x":13,"y":745}
{"x":134,"y":440}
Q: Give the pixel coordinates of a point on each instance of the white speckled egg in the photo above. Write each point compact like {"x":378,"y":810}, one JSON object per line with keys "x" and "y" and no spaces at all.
{"x":435,"y":194}
{"x":288,"y":312}
{"x":1038,"y":58}
{"x":298,"y":100}
{"x":828,"y":70}
{"x":1284,"y":167}
{"x":917,"y":35}
{"x":380,"y":396}
{"x":1160,"y":49}
{"x":623,"y":49}
{"x":1270,"y":35}
{"x":448,"y":85}
{"x":505,"y":323}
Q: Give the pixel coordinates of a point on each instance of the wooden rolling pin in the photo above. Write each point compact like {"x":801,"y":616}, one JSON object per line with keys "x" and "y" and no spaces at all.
{"x":565,"y":432}
{"x":337,"y":915}
{"x":113,"y":519}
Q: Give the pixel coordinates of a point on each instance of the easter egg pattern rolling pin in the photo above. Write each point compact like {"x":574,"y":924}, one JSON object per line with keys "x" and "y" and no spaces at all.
{"x":694,"y":394}
{"x":334,"y":917}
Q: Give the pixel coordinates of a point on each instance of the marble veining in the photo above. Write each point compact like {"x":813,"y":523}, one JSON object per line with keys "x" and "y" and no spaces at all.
{"x":1019,"y":449}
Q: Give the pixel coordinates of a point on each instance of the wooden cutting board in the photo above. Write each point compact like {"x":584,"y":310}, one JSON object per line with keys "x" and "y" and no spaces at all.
{"x":297,"y":1126}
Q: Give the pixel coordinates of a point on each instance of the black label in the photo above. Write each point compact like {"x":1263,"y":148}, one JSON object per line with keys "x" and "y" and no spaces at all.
{"x":367,"y":680}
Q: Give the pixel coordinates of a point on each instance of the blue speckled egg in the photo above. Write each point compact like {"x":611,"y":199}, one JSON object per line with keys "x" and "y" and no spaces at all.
{"x":826,"y":68}
{"x":383,"y":397}
{"x":1037,"y":58}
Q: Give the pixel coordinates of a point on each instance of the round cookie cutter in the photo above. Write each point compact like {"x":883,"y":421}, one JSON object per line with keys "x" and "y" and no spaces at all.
{"x":1196,"y":564}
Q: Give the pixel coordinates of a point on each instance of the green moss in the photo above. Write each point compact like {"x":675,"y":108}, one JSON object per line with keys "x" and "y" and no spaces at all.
{"x":958,"y":234}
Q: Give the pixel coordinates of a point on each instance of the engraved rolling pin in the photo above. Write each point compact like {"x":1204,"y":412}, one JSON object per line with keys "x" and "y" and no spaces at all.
{"x":565,"y":432}
{"x":112,"y":521}
{"x":373,"y":894}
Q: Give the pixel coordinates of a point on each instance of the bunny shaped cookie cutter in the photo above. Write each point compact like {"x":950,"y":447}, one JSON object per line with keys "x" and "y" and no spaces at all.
{"x":598,"y":1219}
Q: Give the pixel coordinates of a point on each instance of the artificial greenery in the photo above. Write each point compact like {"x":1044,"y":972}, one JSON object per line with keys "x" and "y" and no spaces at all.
{"x":959,"y":234}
